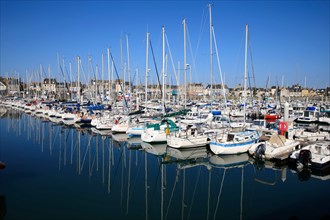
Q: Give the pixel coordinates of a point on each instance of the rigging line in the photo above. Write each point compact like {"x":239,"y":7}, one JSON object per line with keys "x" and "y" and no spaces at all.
{"x":137,"y":175}
{"x":133,"y":78}
{"x":91,"y":67}
{"x":220,"y":191}
{"x":239,"y":52}
{"x":62,"y":72}
{"x":83,"y":162}
{"x":74,"y":150}
{"x":83,"y":71}
{"x":65,"y":84}
{"x":55,"y":137}
{"x":121,"y":87}
{"x":173,"y":66}
{"x":201,"y":30}
{"x":252,"y":66}
{"x":219,"y":66}
{"x":67,"y":73}
{"x":194,"y":193}
{"x":43,"y":71}
{"x":169,"y":202}
{"x":250,"y":87}
{"x":191,"y":52}
{"x":157,"y":178}
{"x":153,"y":56}
{"x":39,"y":74}
{"x":119,"y":161}
{"x":93,"y":162}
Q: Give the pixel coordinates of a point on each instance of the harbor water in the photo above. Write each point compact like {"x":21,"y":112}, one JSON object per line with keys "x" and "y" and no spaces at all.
{"x":58,"y":172}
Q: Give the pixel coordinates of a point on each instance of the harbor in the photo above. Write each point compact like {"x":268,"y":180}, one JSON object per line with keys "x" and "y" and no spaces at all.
{"x":164,"y":110}
{"x":90,"y":175}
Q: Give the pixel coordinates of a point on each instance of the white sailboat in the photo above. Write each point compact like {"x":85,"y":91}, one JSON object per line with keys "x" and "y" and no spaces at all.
{"x":236,"y":142}
{"x":192,"y":136}
{"x":158,"y":132}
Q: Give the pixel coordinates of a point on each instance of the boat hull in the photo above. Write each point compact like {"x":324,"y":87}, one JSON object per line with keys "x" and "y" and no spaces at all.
{"x":234,"y":143}
{"x":187,"y":142}
{"x":153,"y":136}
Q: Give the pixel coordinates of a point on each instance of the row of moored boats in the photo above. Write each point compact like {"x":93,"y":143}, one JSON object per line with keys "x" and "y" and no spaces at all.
{"x":198,"y":127}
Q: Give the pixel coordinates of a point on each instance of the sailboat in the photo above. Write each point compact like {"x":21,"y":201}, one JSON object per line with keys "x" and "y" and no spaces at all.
{"x":157,"y":132}
{"x":236,"y":142}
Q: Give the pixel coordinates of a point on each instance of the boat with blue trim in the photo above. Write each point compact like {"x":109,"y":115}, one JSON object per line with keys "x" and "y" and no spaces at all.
{"x":234,"y":142}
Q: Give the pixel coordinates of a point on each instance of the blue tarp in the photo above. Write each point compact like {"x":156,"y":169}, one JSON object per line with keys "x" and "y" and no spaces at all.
{"x":95,"y":107}
{"x":312,"y":108}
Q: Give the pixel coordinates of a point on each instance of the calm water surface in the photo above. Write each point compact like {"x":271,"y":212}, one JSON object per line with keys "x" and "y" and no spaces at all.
{"x":57,"y":172}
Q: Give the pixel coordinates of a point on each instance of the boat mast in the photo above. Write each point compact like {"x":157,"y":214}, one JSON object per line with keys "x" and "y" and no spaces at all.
{"x":128,"y":68}
{"x":78,"y":79}
{"x":102,"y":82}
{"x":211,"y":52}
{"x":108,"y":51}
{"x":122,"y":66}
{"x":96,"y":78}
{"x":147,"y":70}
{"x":245,"y":70}
{"x":71,"y":85}
{"x":185,"y":63}
{"x":163,"y":70}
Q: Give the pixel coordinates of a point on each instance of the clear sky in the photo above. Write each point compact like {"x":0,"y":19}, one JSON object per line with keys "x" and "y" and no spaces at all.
{"x":288,"y":40}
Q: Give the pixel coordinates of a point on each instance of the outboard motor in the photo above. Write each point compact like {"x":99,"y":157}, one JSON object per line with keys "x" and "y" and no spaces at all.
{"x":304,"y":157}
{"x":260,"y":151}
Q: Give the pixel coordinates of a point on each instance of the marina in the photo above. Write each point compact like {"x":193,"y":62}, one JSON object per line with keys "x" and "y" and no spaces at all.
{"x":123,"y":110}
{"x":89,"y":175}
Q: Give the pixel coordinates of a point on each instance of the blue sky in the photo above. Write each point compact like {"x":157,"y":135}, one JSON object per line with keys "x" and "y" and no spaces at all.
{"x":289,"y":40}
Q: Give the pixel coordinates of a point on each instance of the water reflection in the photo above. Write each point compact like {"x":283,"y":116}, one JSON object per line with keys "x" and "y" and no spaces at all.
{"x":3,"y":208}
{"x":152,"y":181}
{"x":269,"y":172}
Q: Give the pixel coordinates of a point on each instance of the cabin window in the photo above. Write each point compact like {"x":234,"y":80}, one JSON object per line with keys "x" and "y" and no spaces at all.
{"x":306,"y":114}
{"x":230,"y":137}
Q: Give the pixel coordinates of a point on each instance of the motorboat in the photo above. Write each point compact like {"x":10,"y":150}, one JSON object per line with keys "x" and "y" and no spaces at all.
{"x":315,"y":156}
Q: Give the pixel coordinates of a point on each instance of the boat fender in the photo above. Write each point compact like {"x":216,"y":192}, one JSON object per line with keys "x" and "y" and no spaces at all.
{"x":260,"y":150}
{"x":167,"y":131}
{"x":304,"y":157}
{"x":116,"y":121}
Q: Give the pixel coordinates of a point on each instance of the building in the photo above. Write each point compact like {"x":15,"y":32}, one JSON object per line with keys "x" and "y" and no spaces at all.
{"x":217,"y":90}
{"x":295,"y":90}
{"x":49,"y":85}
